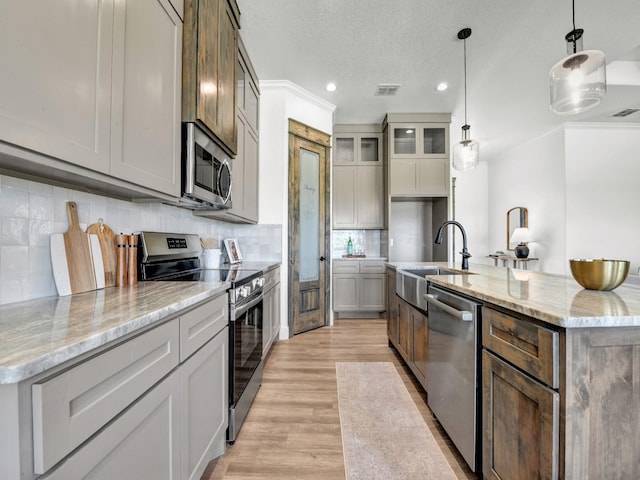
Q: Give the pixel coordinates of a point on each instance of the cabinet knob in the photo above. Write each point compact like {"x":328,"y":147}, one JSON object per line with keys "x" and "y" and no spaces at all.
{"x":322,"y":259}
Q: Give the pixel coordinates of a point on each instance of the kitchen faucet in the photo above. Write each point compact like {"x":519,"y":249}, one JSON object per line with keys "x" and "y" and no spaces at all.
{"x":465,"y":253}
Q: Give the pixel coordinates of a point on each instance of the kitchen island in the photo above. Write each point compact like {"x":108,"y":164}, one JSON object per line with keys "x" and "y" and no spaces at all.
{"x":560,"y":373}
{"x":82,"y":376}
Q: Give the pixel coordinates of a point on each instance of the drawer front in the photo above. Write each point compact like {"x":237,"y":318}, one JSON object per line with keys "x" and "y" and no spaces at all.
{"x":69,"y":408}
{"x":142,"y":443}
{"x":526,"y":345}
{"x":372,"y":267}
{"x":201,"y":324}
{"x":350,"y":266}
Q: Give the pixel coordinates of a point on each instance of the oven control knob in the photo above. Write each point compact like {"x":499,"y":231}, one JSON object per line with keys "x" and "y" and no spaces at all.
{"x":261,"y":281}
{"x":244,"y":292}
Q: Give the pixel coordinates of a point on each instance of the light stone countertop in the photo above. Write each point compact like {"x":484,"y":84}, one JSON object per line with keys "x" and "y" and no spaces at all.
{"x":555,"y":299}
{"x":36,"y":335}
{"x":350,"y":259}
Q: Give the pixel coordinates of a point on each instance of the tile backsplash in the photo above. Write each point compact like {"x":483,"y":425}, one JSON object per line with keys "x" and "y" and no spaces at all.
{"x":30,"y":212}
{"x":366,"y":241}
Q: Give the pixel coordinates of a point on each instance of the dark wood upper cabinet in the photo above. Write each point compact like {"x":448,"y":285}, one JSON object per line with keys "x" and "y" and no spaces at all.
{"x":210,"y":53}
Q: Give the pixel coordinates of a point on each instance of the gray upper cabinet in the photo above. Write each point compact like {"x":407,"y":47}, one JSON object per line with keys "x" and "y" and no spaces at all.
{"x":417,"y":153}
{"x":358,"y":177}
{"x":55,"y":87}
{"x":147,"y":83}
{"x":96,"y":102}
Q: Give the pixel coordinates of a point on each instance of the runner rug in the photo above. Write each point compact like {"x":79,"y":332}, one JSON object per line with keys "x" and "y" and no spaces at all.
{"x":383,"y":434}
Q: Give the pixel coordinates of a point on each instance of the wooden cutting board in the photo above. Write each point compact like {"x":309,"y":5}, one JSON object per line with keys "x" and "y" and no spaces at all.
{"x":107,"y":239}
{"x":73,"y":248}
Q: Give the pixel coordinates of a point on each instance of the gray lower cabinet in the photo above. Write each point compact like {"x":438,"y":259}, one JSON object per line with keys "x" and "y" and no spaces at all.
{"x":154,"y":405}
{"x":85,"y":102}
{"x":205,"y":405}
{"x":141,"y":443}
{"x":271,"y":310}
{"x":359,"y":286}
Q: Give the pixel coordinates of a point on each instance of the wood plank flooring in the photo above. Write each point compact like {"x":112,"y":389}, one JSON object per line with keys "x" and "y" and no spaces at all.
{"x":293,"y":428}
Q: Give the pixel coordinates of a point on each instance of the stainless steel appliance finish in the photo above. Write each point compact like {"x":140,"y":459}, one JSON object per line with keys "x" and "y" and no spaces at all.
{"x":206,"y":171}
{"x":411,"y":285}
{"x":175,"y":257}
{"x":453,"y":388}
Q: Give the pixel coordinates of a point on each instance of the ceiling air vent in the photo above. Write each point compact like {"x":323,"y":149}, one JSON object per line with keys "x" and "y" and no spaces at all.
{"x":386,"y":89}
{"x":626,"y":112}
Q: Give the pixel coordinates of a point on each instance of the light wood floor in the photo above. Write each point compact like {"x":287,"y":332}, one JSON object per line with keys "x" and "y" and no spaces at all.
{"x":293,"y":428}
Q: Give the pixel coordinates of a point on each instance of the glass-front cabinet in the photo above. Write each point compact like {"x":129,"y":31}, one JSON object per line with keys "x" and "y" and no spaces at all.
{"x":417,"y":154}
{"x":419,"y":140}
{"x":357,"y":149}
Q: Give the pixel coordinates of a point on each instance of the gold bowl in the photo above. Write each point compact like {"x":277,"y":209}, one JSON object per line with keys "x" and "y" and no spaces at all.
{"x":599,"y":274}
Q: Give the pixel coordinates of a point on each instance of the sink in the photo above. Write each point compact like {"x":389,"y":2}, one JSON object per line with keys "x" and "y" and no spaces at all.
{"x":421,"y":272}
{"x":411,"y":285}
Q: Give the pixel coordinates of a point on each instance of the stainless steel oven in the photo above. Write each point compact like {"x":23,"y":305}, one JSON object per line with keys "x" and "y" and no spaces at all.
{"x":453,"y":378}
{"x":245,"y":346}
{"x":206,"y":172}
{"x":175,"y":257}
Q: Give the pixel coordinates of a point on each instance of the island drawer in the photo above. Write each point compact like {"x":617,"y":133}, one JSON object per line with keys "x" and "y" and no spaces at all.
{"x":201,"y":324}
{"x":527,"y":345}
{"x":70,"y":407}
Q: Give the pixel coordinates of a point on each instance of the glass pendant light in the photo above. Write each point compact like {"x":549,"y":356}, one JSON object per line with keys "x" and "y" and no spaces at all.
{"x":466,"y":153}
{"x":578,"y":82}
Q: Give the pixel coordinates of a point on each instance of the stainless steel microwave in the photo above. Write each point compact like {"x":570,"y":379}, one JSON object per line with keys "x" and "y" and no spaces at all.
{"x":206,"y":172}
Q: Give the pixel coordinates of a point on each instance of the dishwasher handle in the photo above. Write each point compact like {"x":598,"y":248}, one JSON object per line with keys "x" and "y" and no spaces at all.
{"x":463,"y":315}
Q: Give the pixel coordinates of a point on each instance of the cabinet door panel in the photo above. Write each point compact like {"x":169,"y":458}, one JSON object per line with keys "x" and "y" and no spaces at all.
{"x":147,"y":87}
{"x":521,"y":424}
{"x":404,"y":329}
{"x":227,"y":55}
{"x":419,"y":345}
{"x":142,"y":443}
{"x":344,"y":197}
{"x":208,"y":12}
{"x":433,"y":176}
{"x":392,"y":307}
{"x":203,"y":380}
{"x":345,"y":293}
{"x":372,"y":292}
{"x":370,"y":198}
{"x":403,"y":176}
{"x":55,"y":87}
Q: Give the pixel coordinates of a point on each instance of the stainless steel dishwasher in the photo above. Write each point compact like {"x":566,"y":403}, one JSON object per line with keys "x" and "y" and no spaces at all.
{"x":452,"y":369}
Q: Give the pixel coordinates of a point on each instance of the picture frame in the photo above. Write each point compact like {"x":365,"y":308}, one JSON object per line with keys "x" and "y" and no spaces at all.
{"x":233,"y":250}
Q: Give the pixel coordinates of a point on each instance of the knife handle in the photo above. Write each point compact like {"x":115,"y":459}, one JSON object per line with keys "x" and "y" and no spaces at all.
{"x":132,"y":268}
{"x":122,"y":245}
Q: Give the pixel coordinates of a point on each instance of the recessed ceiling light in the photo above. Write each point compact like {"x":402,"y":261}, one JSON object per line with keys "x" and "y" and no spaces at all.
{"x":442,"y":86}
{"x":331,"y":87}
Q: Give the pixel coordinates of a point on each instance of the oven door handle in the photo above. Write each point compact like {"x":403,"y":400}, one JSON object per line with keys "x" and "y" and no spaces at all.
{"x":241,"y":311}
{"x":463,"y":315}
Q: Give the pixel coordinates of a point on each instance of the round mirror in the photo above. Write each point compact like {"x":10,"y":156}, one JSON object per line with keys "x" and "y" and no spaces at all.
{"x":517,"y":217}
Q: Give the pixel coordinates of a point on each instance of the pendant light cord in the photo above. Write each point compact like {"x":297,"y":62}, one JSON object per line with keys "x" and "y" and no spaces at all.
{"x":465,"y":81}
{"x":573,"y":16}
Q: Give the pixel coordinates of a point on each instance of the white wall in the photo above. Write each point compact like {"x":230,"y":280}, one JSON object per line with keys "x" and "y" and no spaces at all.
{"x":470,"y":207}
{"x":580,"y":185}
{"x":532,"y":176}
{"x":603,"y":192}
{"x":280,"y":101}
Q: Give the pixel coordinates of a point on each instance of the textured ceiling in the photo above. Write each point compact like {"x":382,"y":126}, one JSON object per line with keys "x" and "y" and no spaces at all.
{"x":359,"y":44}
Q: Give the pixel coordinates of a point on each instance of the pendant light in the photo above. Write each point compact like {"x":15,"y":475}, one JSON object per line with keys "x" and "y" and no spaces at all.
{"x":466,"y":153}
{"x":578,"y":82}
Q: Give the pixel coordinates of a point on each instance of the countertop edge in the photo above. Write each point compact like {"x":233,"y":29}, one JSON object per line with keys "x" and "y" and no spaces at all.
{"x":22,"y":371}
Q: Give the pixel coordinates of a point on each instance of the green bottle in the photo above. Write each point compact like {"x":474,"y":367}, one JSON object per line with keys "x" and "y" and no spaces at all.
{"x":349,"y":247}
